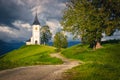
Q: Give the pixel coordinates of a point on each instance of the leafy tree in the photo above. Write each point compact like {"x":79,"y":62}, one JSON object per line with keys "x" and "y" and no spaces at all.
{"x":46,"y":35}
{"x":60,"y":40}
{"x":90,"y":18}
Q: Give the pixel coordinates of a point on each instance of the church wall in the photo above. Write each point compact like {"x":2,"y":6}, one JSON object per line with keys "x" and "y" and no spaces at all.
{"x":36,"y":34}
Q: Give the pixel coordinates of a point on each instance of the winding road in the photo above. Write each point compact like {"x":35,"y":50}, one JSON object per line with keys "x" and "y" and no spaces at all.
{"x":40,"y":72}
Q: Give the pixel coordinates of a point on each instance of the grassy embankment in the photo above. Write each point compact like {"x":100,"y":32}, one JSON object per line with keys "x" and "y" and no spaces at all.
{"x":28,"y":55}
{"x":101,"y":64}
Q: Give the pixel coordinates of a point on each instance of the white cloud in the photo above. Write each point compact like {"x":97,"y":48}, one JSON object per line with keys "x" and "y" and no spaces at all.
{"x":6,"y":33}
{"x":22,"y":33}
{"x":116,"y":35}
{"x":6,"y":29}
{"x":22,"y":25}
{"x":54,"y":26}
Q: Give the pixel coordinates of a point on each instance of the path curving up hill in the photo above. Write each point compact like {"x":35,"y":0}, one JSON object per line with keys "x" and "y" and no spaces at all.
{"x":40,"y":72}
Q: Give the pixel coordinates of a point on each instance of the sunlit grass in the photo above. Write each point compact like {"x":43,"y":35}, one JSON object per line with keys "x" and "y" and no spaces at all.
{"x":101,"y":64}
{"x":28,"y":55}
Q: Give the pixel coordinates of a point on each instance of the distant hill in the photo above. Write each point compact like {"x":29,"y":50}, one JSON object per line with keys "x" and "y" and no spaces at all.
{"x":9,"y":46}
{"x":72,"y":43}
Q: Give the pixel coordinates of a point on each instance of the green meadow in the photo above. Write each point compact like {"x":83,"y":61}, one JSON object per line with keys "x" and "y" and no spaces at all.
{"x":101,"y":64}
{"x":28,"y":56}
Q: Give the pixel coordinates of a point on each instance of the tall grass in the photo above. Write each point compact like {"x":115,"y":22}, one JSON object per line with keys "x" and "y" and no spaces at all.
{"x":101,"y":64}
{"x":28,"y":55}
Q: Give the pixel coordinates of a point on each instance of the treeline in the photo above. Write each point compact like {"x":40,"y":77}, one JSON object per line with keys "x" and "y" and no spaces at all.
{"x":59,"y":40}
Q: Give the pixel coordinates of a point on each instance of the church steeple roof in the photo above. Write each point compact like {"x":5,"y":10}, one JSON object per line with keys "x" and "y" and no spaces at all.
{"x":36,"y":21}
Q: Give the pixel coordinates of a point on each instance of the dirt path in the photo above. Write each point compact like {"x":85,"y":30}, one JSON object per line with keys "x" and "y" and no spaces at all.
{"x":41,"y":72}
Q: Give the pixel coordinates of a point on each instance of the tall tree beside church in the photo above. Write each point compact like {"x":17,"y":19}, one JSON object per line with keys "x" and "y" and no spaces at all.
{"x":90,"y":18}
{"x":60,"y":40}
{"x":46,"y":35}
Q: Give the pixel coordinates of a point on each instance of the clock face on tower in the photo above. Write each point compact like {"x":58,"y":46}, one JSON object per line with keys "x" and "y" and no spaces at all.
{"x":36,"y":28}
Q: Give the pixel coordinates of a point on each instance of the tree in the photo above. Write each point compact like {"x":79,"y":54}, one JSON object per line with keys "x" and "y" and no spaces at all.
{"x":60,"y":40}
{"x":90,"y":18}
{"x":46,"y":35}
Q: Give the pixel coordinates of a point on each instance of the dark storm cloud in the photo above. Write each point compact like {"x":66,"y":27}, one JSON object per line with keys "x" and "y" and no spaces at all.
{"x":11,"y":11}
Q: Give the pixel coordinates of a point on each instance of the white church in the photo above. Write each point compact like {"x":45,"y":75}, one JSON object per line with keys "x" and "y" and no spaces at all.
{"x":35,"y":39}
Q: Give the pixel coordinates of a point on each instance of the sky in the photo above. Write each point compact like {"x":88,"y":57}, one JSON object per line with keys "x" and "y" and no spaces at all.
{"x":17,"y":16}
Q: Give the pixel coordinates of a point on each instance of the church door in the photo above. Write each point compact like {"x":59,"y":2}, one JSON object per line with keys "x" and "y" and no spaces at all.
{"x":36,"y":42}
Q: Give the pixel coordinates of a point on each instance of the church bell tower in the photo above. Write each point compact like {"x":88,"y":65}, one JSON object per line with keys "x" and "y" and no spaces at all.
{"x":36,"y":31}
{"x":35,"y":39}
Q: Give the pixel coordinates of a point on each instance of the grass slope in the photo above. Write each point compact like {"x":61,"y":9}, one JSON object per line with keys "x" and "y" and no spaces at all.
{"x":28,"y":55}
{"x":102,"y":64}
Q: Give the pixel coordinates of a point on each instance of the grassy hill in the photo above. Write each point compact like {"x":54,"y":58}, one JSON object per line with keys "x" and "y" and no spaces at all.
{"x":101,"y":64}
{"x":28,"y":55}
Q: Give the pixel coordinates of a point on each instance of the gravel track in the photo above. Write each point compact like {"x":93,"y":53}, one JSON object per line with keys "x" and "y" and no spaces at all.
{"x":40,"y":72}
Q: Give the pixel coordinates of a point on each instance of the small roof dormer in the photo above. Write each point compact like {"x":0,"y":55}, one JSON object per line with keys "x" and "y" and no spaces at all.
{"x":36,"y":21}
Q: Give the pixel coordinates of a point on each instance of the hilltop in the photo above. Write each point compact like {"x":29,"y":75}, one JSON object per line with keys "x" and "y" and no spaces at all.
{"x":101,"y":64}
{"x":27,"y":56}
